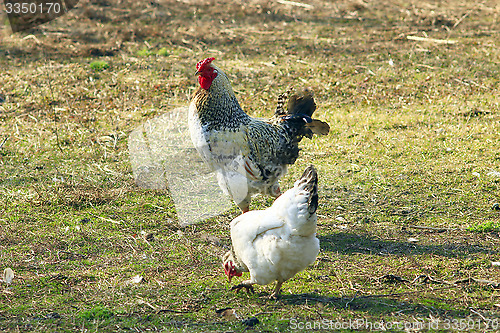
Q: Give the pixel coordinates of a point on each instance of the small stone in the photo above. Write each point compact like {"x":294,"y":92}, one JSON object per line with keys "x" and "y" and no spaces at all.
{"x":340,"y":219}
{"x":493,"y":174}
{"x":227,"y":313}
{"x":53,"y":315}
{"x":250,"y":322}
{"x":136,"y":279}
{"x":8,"y":275}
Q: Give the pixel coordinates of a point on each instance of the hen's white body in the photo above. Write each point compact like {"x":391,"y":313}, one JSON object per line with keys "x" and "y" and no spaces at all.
{"x":277,"y":243}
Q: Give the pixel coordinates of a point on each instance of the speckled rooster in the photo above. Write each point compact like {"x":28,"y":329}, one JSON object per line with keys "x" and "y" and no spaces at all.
{"x":249,"y":155}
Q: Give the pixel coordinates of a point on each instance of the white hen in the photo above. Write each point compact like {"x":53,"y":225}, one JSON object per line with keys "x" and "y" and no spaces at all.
{"x":279,"y":242}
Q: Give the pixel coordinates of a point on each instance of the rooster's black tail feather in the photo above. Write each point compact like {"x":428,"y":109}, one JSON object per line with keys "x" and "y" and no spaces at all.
{"x":294,"y":111}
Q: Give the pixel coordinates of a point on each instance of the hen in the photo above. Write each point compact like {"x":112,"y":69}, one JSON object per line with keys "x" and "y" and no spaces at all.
{"x":249,"y":155}
{"x":279,"y":242}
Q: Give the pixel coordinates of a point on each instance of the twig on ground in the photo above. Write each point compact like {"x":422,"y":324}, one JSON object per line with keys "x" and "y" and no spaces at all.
{"x":404,"y":293}
{"x":56,"y":132}
{"x":429,"y":278}
{"x":3,"y":142}
{"x":462,"y":18}
{"x":430,"y":228}
{"x":493,"y":284}
{"x":352,"y":299}
{"x":480,"y":315}
{"x":293,"y":3}
{"x":262,"y":313}
{"x":105,"y":219}
{"x":432,"y":40}
{"x":160,"y":309}
{"x":172,"y":311}
{"x":392,"y":278}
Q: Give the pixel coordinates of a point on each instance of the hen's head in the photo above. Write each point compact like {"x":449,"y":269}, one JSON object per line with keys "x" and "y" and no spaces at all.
{"x":207,"y":73}
{"x":231,"y":270}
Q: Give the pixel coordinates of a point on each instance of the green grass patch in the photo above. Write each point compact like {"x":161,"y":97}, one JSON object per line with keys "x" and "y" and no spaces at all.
{"x":145,"y":52}
{"x":162,"y":52}
{"x":488,"y":226}
{"x":99,"y":65}
{"x":98,"y":312}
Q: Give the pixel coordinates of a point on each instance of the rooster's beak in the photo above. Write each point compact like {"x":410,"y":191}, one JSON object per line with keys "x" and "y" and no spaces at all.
{"x":197,"y":73}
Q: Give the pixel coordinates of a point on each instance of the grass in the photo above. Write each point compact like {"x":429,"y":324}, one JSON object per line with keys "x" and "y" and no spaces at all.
{"x":488,"y":226}
{"x":413,"y":153}
{"x":99,"y":65}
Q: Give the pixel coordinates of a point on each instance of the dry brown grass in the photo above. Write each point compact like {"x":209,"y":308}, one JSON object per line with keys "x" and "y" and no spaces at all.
{"x":411,"y":154}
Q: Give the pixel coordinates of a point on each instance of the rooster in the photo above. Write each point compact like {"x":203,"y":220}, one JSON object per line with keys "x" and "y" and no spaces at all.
{"x":249,"y":155}
{"x":276,"y":243}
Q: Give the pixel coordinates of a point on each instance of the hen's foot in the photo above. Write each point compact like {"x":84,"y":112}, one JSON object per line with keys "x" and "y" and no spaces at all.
{"x":277,"y":290}
{"x":274,"y":296}
{"x":248,"y":287}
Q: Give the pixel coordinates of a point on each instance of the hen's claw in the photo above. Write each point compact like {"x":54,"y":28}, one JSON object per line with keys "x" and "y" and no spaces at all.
{"x":238,"y":287}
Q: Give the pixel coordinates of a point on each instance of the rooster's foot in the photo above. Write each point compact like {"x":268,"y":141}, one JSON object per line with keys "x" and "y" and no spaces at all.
{"x":276,"y":192}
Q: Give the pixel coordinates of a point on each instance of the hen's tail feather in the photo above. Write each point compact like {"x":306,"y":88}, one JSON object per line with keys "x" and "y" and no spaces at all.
{"x":309,"y":180}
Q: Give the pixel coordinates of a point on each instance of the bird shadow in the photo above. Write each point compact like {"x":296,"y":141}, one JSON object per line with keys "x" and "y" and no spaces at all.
{"x":350,"y":243}
{"x":374,"y":305}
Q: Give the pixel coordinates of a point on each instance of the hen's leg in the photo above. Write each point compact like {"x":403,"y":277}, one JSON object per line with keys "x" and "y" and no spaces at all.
{"x":276,"y":292}
{"x":245,"y":284}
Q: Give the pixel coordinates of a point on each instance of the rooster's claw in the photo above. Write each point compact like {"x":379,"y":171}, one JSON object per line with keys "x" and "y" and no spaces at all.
{"x":240,"y":286}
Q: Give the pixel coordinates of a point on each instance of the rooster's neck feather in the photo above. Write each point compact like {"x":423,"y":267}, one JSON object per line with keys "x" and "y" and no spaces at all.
{"x":218,"y":107}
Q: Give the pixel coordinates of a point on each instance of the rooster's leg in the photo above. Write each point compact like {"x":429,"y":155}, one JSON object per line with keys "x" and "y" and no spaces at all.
{"x":275,"y":190}
{"x":245,"y":204}
{"x":276,"y":292}
{"x":245,"y":284}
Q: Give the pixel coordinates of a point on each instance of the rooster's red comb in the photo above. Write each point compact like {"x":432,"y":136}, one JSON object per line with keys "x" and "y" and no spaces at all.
{"x":201,"y":65}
